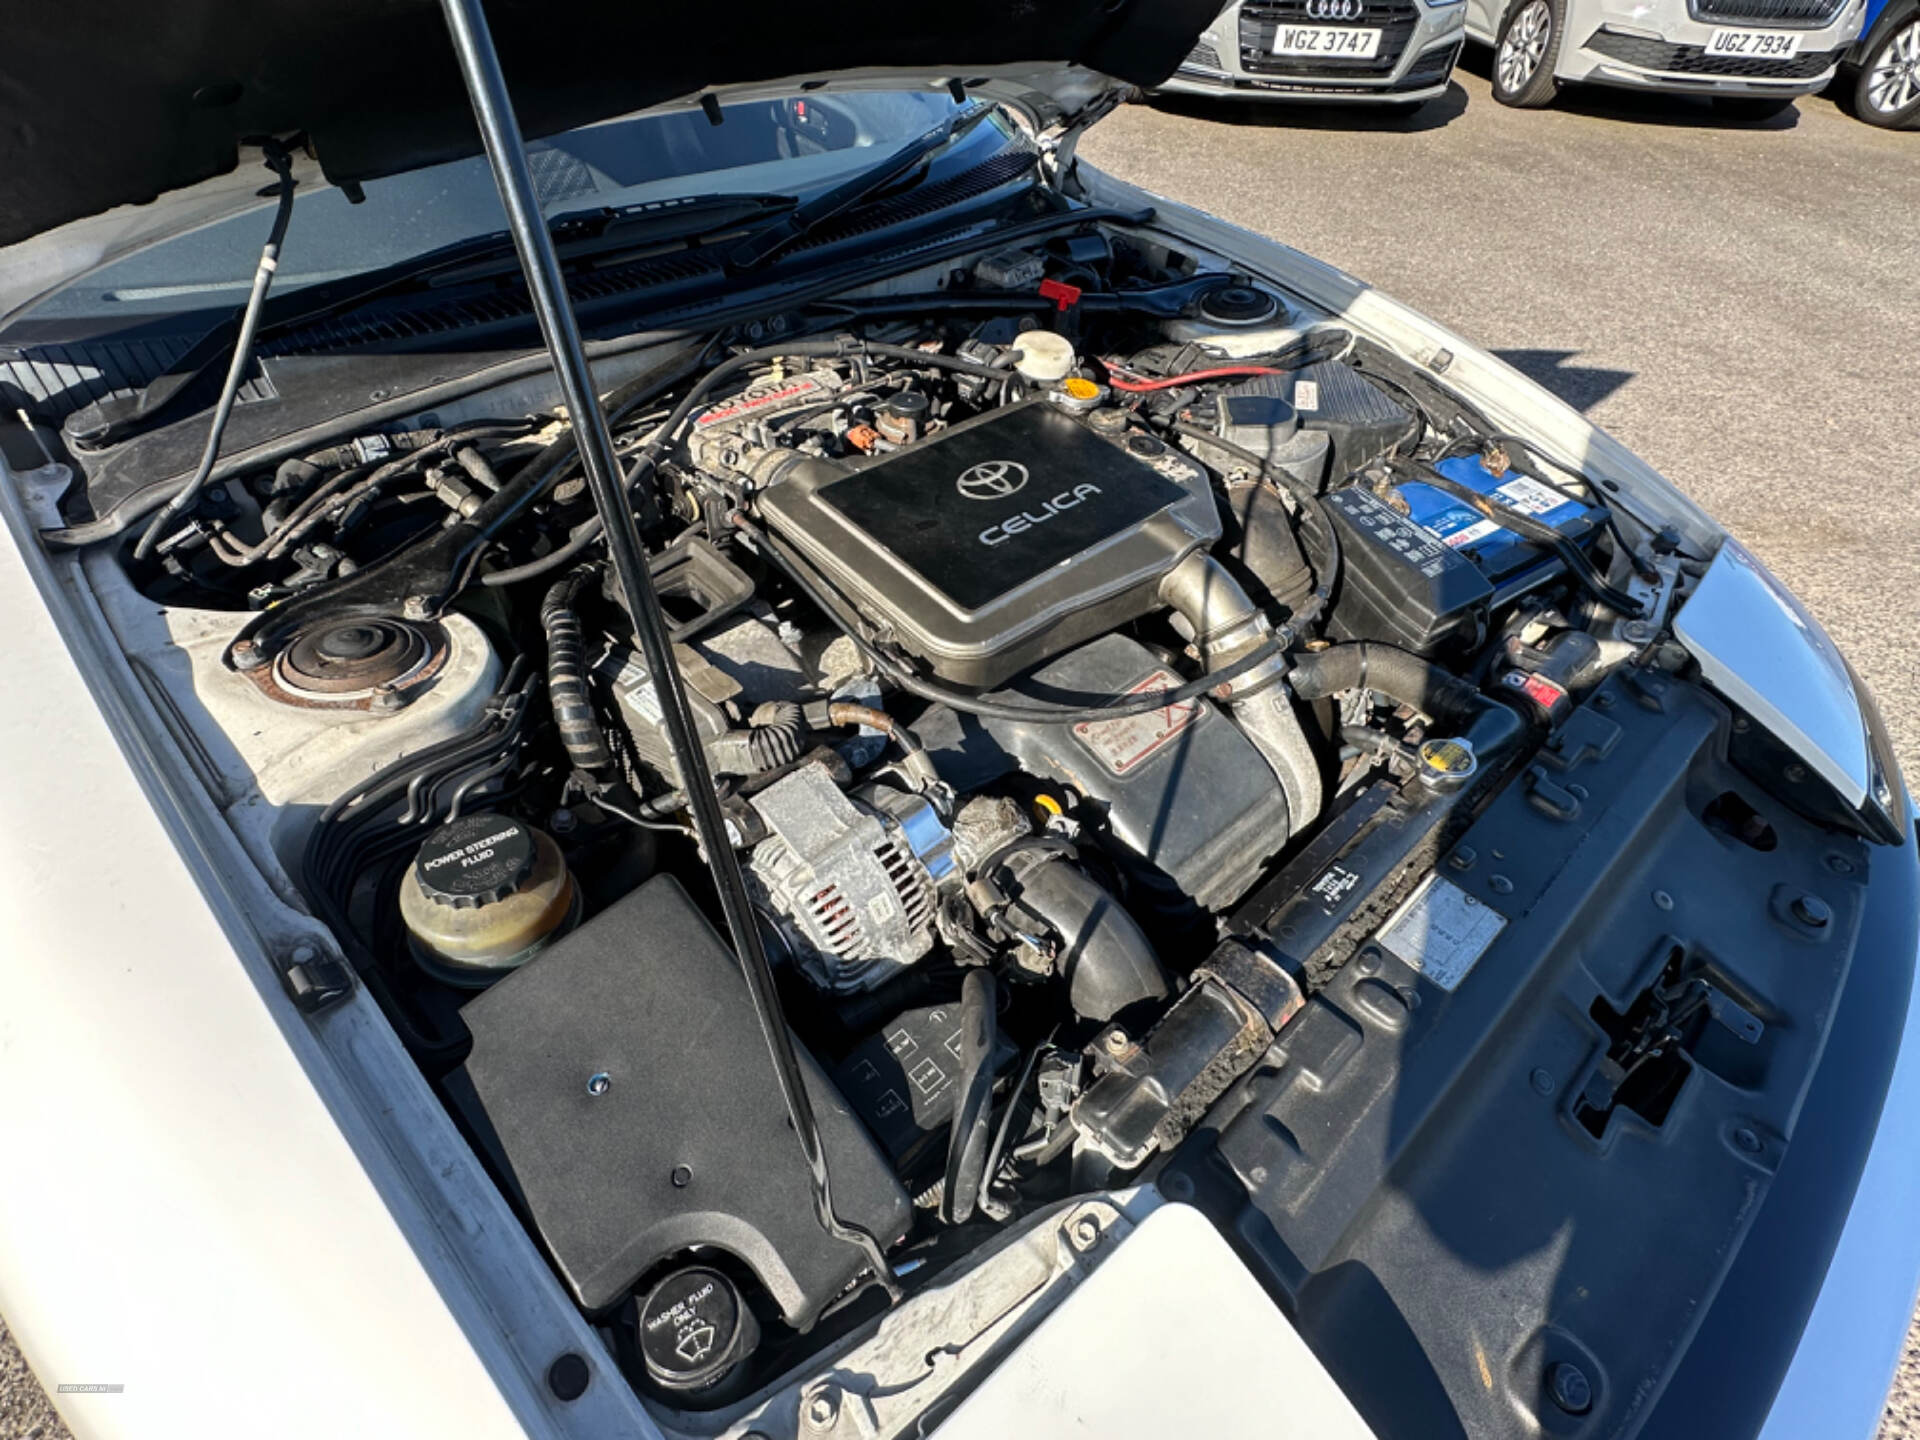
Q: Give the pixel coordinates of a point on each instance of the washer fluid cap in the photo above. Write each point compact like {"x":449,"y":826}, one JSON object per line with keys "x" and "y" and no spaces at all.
{"x":475,"y":860}
{"x":1043,"y":356}
{"x":693,"y":1329}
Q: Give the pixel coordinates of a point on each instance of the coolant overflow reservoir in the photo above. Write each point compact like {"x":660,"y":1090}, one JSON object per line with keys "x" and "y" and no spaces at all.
{"x":1043,"y":356}
{"x":483,"y":895}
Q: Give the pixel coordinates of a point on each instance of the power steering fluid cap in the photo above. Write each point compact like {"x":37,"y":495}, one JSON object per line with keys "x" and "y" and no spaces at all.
{"x":475,"y":860}
{"x":482,"y":894}
{"x":693,"y":1329}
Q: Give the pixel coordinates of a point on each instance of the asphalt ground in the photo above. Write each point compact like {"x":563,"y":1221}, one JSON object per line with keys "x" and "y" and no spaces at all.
{"x":1739,"y":303}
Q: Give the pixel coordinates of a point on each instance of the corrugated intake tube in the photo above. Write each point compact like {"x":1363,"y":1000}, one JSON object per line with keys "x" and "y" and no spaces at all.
{"x":567,"y":678}
{"x":776,"y":735}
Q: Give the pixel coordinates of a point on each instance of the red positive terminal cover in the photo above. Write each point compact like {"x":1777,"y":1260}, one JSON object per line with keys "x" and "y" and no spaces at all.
{"x":1063,"y":295}
{"x":1543,"y":692}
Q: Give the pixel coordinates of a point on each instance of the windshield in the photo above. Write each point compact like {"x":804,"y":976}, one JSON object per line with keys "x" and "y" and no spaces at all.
{"x":791,"y":146}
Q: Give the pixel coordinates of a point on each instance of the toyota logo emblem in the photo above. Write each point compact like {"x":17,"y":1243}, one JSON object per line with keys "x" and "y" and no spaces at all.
{"x":1335,"y":9}
{"x":992,"y":480}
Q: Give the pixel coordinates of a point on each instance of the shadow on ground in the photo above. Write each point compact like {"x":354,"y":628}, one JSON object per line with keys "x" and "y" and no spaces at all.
{"x":1581,"y":386}
{"x":1640,"y":107}
{"x":1386,"y":115}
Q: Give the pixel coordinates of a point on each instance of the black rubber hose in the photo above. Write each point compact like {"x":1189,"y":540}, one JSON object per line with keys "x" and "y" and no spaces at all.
{"x":1266,"y":547}
{"x":846,"y":346}
{"x":294,"y":478}
{"x":973,"y":1114}
{"x":776,"y":737}
{"x":1108,"y":962}
{"x":896,"y":671}
{"x":1396,"y":673}
{"x":915,"y":760}
{"x":1403,"y":676}
{"x":280,"y":162}
{"x":648,"y":456}
{"x":573,"y":713}
{"x":1315,"y":521}
{"x":560,"y":457}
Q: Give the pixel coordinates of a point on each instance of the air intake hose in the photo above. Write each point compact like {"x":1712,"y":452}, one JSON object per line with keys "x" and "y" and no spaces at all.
{"x":776,"y":737}
{"x":1266,"y":547}
{"x":567,"y":678}
{"x":1403,"y":676}
{"x":1108,"y":962}
{"x":1226,"y":624}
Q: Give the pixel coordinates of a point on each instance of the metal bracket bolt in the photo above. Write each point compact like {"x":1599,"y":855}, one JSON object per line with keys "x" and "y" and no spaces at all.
{"x":821,"y":1409}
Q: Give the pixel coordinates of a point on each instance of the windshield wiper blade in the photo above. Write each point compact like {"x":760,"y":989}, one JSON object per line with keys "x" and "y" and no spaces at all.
{"x":759,"y":248}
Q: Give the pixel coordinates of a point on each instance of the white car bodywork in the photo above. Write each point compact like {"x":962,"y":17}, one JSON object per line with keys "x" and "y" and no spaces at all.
{"x":260,"y":1221}
{"x":303,"y":1160}
{"x":1644,"y":26}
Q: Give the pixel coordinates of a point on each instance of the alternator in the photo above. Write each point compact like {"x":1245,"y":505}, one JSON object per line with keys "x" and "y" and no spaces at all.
{"x":850,"y":880}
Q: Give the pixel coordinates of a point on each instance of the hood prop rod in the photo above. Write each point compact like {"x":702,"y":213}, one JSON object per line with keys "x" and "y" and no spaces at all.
{"x":506,"y":153}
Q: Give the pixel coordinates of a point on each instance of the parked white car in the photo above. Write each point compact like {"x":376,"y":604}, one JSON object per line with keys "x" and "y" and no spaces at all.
{"x":1752,"y":58}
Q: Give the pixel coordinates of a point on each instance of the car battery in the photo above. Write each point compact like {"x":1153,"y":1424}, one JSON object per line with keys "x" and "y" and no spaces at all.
{"x":1501,"y":554}
{"x":1420,"y":567}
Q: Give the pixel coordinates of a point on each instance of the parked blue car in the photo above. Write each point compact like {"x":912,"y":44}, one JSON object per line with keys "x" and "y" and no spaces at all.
{"x":1884,"y":66}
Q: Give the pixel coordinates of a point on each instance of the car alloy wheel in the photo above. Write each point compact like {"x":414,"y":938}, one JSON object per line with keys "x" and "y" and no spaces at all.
{"x":1890,"y":84}
{"x":1523,"y":62}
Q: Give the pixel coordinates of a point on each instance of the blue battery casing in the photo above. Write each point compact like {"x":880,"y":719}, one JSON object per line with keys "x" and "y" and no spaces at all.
{"x":1499,"y":553}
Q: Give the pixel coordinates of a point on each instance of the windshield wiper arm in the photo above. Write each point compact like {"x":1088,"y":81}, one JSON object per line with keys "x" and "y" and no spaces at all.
{"x":759,"y":248}
{"x":577,"y":235}
{"x":585,"y":234}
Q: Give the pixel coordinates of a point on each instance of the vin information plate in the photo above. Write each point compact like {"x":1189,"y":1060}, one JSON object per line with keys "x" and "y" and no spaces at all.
{"x":1441,"y":931}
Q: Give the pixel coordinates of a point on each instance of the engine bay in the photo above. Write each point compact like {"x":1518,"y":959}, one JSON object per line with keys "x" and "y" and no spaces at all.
{"x":1094,"y":647}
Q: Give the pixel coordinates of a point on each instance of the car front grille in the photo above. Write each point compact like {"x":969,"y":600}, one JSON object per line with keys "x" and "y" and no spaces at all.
{"x":1203,"y":56}
{"x":1784,"y":14}
{"x":1259,"y":19}
{"x":1694,"y":60}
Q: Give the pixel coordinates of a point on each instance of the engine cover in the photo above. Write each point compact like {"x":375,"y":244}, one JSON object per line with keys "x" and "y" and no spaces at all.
{"x":1002,"y":541}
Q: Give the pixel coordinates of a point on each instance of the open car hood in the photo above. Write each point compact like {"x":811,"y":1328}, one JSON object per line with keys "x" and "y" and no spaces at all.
{"x":116,"y":103}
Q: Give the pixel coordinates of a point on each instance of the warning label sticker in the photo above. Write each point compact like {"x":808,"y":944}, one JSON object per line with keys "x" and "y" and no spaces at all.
{"x":1125,"y":743}
{"x":1336,"y":882}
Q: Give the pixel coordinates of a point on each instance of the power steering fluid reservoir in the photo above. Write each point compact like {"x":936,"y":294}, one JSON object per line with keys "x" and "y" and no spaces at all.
{"x":483,"y":895}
